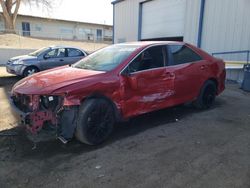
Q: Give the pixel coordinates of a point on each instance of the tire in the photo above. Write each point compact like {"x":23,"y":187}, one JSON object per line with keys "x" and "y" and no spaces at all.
{"x":207,"y":95}
{"x":95,"y":121}
{"x":30,"y":70}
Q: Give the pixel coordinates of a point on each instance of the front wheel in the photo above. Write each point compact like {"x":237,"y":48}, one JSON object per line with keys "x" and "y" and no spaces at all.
{"x":29,"y":71}
{"x":95,"y":121}
{"x":207,"y":95}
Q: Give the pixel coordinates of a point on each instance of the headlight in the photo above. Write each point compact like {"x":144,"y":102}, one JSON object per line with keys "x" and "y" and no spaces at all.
{"x":17,"y":62}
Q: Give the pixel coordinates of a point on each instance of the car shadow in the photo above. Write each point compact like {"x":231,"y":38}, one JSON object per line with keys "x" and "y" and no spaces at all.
{"x":9,"y":80}
{"x":19,"y":146}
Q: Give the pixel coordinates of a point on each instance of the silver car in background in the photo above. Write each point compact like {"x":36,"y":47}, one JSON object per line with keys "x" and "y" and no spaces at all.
{"x":43,"y":59}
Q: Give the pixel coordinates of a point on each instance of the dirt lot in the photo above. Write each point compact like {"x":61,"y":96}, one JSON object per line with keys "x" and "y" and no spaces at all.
{"x":177,"y":147}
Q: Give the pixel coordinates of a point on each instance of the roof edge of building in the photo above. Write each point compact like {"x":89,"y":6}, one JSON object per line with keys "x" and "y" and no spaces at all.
{"x":56,"y":19}
{"x":116,"y":1}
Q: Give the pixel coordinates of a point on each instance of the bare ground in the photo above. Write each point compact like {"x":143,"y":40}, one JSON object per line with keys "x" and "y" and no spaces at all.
{"x":16,"y":41}
{"x":176,"y":147}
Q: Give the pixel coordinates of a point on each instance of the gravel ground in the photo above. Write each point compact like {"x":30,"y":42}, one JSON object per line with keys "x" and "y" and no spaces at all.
{"x":176,"y":147}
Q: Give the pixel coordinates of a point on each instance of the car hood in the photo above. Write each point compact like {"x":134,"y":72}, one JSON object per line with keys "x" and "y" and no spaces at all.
{"x":47,"y":82}
{"x":23,"y":57}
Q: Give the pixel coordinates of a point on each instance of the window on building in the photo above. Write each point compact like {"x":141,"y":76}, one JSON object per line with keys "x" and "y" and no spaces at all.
{"x":84,"y":31}
{"x":26,"y":28}
{"x":148,"y":59}
{"x":99,"y":34}
{"x":74,"y":52}
{"x":66,"y":30}
{"x":183,"y":54}
{"x":38,"y":27}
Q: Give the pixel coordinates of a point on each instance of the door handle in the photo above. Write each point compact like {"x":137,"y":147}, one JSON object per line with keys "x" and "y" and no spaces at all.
{"x":61,"y":60}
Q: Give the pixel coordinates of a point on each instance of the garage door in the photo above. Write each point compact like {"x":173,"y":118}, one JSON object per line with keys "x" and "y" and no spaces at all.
{"x":162,"y":19}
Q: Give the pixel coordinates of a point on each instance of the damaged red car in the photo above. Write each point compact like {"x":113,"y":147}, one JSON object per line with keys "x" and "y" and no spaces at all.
{"x":116,"y":83}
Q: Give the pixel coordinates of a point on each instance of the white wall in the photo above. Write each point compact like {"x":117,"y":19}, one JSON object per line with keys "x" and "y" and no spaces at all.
{"x":126,"y":21}
{"x":191,"y":23}
{"x":226,"y":25}
{"x":50,"y":28}
{"x":163,"y":18}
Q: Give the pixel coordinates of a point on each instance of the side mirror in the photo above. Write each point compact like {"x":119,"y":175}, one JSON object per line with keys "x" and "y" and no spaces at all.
{"x":132,"y":79}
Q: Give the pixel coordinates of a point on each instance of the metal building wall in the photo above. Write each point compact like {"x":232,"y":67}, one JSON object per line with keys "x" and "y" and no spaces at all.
{"x":226,"y":25}
{"x":191,"y":24}
{"x":126,"y":21}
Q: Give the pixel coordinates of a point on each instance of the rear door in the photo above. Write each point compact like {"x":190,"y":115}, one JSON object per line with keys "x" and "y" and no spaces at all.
{"x":147,"y":84}
{"x":190,"y":72}
{"x":74,"y":55}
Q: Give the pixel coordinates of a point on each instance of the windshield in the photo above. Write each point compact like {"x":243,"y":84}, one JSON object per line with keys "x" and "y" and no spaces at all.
{"x":107,"y":58}
{"x":38,"y":52}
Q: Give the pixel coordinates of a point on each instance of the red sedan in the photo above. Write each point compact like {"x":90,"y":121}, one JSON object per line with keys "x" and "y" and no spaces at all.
{"x":117,"y":82}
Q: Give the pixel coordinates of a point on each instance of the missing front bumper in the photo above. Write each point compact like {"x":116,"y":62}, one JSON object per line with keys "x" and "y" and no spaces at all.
{"x":34,"y":121}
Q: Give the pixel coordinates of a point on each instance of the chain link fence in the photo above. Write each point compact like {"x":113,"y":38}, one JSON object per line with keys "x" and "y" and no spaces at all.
{"x":19,"y":42}
{"x":34,"y":39}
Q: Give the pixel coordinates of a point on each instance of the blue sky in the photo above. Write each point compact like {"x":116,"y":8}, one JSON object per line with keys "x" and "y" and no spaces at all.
{"x":95,"y":11}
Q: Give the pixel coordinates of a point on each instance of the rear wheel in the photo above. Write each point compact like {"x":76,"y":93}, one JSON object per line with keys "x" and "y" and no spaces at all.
{"x":29,"y":71}
{"x":95,"y":121}
{"x":207,"y":95}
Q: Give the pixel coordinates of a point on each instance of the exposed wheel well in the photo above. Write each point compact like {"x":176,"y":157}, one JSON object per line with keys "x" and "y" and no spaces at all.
{"x":117,"y":113}
{"x":215,"y":82}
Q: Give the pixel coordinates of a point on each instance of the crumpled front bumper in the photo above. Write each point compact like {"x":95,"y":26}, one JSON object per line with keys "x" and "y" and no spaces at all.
{"x":35,"y":120}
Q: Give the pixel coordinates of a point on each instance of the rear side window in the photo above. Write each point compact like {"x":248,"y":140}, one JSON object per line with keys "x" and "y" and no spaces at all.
{"x":148,"y":59}
{"x":74,"y":52}
{"x":182,"y":54}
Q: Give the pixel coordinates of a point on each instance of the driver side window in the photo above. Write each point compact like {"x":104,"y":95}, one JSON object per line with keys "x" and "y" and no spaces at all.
{"x":56,"y":53}
{"x":148,"y":59}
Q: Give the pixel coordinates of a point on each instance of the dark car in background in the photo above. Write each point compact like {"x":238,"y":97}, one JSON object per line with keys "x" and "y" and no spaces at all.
{"x":43,"y":59}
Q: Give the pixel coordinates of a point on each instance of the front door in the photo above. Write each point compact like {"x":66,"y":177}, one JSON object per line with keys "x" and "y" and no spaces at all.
{"x":148,"y":83}
{"x":54,"y":58}
{"x":26,"y":28}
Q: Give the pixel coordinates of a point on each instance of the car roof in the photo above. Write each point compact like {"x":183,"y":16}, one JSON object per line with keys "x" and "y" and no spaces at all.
{"x":148,"y":43}
{"x":63,"y":46}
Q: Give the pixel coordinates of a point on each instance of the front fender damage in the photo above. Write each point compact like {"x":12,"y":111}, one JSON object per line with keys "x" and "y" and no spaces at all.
{"x":54,"y":113}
